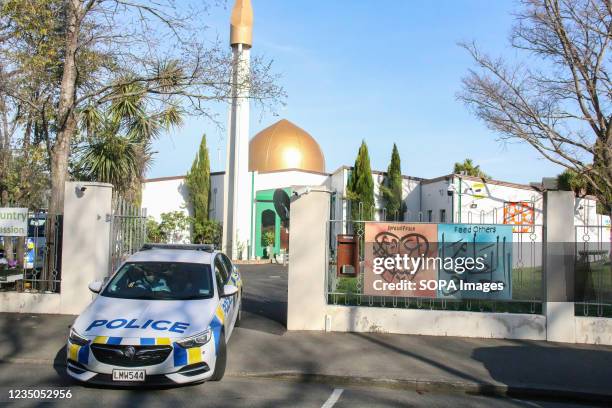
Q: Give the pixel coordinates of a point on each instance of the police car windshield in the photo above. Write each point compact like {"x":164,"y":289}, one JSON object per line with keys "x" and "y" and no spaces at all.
{"x":161,"y":281}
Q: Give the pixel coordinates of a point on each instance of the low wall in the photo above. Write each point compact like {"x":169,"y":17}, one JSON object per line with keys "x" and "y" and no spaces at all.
{"x":593,"y":330}
{"x":435,"y":322}
{"x":23,"y":302}
{"x":85,"y":253}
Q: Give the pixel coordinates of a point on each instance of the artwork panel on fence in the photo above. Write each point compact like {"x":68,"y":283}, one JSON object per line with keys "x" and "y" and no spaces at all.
{"x":389,"y":240}
{"x":490,"y":246}
{"x":446,"y":261}
{"x":521,"y":215}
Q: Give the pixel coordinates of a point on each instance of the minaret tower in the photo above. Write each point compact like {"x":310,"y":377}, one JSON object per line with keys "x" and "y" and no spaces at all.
{"x":237,"y":189}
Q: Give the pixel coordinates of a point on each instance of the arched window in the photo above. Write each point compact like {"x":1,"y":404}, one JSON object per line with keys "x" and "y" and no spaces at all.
{"x":268,"y":224}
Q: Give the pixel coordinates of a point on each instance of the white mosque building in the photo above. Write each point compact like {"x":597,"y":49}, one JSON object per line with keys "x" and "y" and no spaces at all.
{"x":285,"y":156}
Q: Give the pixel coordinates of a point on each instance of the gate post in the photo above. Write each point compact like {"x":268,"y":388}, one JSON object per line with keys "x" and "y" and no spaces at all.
{"x":86,"y":242}
{"x":559,"y":237}
{"x":308,"y":260}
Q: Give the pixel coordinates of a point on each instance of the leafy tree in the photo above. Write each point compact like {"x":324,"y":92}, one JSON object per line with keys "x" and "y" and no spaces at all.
{"x":208,"y":232}
{"x":360,"y":186}
{"x":269,"y":238}
{"x":569,"y":180}
{"x":66,"y":55}
{"x":198,"y":183}
{"x":154,"y":232}
{"x":558,"y":100}
{"x":469,"y":169}
{"x":115,"y":144}
{"x":174,"y":226}
{"x":392,"y":188}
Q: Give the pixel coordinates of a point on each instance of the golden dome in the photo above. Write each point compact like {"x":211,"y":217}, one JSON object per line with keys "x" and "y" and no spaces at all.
{"x":285,"y":146}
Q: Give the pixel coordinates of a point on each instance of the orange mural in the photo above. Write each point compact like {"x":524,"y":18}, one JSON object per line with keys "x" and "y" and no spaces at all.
{"x":521,"y":214}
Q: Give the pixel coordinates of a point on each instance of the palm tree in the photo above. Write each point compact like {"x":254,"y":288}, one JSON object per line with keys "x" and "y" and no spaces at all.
{"x":467,"y":168}
{"x":116,"y":140}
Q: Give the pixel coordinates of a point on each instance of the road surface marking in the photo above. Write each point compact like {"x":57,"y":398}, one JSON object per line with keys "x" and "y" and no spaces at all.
{"x":274,"y":276}
{"x":532,"y":404}
{"x":333,"y":398}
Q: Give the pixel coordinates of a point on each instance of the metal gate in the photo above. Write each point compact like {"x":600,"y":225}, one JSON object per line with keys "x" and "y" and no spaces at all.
{"x":593,"y":270}
{"x":33,"y":263}
{"x":128,"y":231}
{"x":347,"y":287}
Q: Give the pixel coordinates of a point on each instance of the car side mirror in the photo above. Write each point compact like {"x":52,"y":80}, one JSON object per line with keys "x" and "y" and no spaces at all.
{"x":229,"y":290}
{"x":95,"y":286}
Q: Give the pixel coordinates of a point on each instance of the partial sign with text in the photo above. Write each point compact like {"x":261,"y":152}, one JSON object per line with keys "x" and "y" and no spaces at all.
{"x":13,"y":222}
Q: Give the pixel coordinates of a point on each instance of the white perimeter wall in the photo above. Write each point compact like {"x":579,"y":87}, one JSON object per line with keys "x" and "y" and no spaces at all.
{"x":291,"y":178}
{"x":434,"y":197}
{"x":161,"y":196}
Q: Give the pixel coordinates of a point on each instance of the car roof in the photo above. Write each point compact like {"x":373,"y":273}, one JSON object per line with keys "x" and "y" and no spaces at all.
{"x":172,"y":255}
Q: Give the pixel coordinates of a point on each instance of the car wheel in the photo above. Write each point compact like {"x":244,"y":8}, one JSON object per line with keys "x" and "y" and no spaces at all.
{"x":239,"y":316}
{"x":221,"y":360}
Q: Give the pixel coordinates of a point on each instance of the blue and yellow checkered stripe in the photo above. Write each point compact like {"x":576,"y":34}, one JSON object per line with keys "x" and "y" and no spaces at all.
{"x":182,"y":356}
{"x":107,"y":340}
{"x":157,"y":341}
{"x":235,"y":279}
{"x":193,"y":355}
{"x":217,"y":324}
{"x":78,"y":353}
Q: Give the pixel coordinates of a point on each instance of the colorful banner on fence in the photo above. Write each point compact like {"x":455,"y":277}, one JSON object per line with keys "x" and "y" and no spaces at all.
{"x":454,"y":261}
{"x":13,"y":222}
{"x":388,"y":241}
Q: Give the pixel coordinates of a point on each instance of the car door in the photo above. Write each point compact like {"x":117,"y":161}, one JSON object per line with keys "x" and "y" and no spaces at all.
{"x":227,"y":303}
{"x":229,"y":267}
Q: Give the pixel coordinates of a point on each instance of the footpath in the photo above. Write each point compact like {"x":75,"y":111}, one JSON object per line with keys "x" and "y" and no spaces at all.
{"x":263,"y":348}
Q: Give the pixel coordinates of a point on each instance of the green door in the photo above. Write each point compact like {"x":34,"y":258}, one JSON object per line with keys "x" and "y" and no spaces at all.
{"x":267,"y":222}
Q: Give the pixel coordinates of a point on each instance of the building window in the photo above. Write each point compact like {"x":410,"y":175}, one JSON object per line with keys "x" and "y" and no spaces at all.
{"x":442,"y":215}
{"x":429,"y":215}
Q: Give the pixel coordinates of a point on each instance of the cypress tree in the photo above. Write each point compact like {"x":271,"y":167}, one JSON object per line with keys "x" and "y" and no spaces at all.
{"x":392,"y":188}
{"x":360,"y":186}
{"x":198,"y":183}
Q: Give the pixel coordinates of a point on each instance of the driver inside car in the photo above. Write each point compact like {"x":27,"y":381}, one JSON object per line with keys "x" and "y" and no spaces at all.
{"x":151,"y":280}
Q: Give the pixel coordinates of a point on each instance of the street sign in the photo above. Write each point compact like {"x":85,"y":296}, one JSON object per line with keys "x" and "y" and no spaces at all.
{"x":13,"y":222}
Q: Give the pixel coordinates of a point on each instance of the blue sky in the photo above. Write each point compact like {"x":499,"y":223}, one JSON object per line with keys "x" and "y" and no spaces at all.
{"x":382,"y":71}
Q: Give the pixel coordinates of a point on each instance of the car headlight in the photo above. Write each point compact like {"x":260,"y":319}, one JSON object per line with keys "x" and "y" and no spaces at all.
{"x":76,"y":338}
{"x":196,"y":340}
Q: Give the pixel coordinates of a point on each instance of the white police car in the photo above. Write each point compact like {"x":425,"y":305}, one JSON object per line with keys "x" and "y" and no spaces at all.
{"x":164,"y":317}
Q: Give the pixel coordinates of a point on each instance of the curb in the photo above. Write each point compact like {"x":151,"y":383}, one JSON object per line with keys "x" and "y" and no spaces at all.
{"x":468,"y":387}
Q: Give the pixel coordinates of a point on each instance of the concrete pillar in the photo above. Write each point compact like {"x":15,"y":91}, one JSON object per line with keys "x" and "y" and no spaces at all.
{"x":559,"y":247}
{"x":308,"y":260}
{"x":85,"y":243}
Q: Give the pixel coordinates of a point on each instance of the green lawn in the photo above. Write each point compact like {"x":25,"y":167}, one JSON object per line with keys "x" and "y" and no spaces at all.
{"x":526,"y":295}
{"x":594,"y":289}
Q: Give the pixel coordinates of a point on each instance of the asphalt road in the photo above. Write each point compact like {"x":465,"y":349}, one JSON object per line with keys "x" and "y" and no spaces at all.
{"x":238,"y":392}
{"x":265,"y":301}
